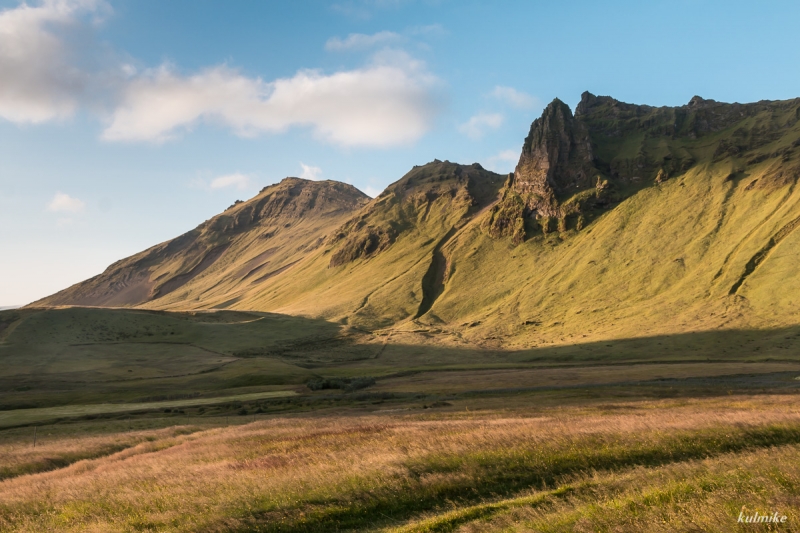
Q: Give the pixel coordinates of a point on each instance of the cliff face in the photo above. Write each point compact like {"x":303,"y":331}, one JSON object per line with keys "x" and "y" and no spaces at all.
{"x":556,"y":161}
{"x":575,"y":167}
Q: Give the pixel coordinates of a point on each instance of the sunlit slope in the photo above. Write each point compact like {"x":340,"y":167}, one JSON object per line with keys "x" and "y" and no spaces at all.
{"x":227,"y":256}
{"x":714,"y":246}
{"x":619,"y":221}
{"x":668,"y":259}
{"x":373,"y":270}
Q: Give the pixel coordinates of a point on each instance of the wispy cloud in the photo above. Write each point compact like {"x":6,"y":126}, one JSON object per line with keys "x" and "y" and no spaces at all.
{"x":504,"y":161}
{"x":389,"y":102}
{"x":477,"y":125}
{"x":310,"y":172}
{"x":514,"y":98}
{"x":64,"y":203}
{"x":236,"y":180}
{"x":360,"y":41}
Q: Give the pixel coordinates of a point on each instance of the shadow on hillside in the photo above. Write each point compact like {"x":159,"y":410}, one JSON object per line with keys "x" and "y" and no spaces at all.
{"x":226,"y":332}
{"x":776,"y":344}
{"x":82,"y":355}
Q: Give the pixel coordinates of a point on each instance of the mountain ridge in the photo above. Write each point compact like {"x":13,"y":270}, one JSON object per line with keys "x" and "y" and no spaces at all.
{"x":704,"y":193}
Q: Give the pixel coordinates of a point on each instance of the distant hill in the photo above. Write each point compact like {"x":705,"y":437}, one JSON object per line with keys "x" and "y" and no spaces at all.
{"x":619,"y":221}
{"x":235,"y":251}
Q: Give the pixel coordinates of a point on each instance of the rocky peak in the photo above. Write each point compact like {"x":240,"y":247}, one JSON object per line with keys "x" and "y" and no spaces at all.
{"x":697,"y":101}
{"x":556,"y":158}
{"x":439,"y":192}
{"x":292,"y":198}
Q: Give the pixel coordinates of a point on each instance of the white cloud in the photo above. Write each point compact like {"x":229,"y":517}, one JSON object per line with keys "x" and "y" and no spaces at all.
{"x":504,"y":161}
{"x":389,"y":102}
{"x":514,"y":98}
{"x":371,"y":191}
{"x":310,"y":172}
{"x":64,"y":203}
{"x":476,"y":126}
{"x":51,"y":66}
{"x":360,"y":41}
{"x":39,"y":81}
{"x":240,"y":181}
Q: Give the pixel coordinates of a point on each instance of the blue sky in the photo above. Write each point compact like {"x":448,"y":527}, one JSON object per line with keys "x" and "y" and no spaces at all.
{"x":125,"y":123}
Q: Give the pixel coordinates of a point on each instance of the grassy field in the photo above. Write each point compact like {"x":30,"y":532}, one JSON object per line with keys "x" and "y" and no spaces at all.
{"x":80,"y":357}
{"x":239,"y":422}
{"x":655,"y":465}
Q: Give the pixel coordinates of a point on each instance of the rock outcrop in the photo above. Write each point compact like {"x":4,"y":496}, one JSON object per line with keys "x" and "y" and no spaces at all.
{"x":556,"y":161}
{"x":573,"y":167}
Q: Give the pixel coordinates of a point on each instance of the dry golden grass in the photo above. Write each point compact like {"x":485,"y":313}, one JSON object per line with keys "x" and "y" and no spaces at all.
{"x":18,"y":456}
{"x":705,"y":495}
{"x":375,"y":471}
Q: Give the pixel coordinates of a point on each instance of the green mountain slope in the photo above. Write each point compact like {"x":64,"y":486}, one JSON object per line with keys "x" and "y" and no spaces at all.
{"x":619,"y":221}
{"x":639,"y":220}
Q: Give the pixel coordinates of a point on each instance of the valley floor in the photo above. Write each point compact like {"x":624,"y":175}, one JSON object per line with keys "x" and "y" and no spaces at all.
{"x":130,"y":421}
{"x":522,"y":462}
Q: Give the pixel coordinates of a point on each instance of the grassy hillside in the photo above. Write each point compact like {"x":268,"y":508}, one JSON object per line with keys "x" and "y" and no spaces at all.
{"x":373,"y":285}
{"x":620,"y":221}
{"x":699,"y":249}
{"x":605,"y":340}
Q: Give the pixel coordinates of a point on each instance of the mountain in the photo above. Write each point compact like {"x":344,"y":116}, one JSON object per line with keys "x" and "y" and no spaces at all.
{"x":235,"y":251}
{"x":619,"y":220}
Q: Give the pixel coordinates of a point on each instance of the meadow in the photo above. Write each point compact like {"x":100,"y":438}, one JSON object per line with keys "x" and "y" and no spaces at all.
{"x":240,"y":422}
{"x":654,"y":465}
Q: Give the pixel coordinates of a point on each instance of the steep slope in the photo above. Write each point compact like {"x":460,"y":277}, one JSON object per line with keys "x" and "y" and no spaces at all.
{"x":384,"y":265}
{"x":627,"y":220}
{"x":227,"y":255}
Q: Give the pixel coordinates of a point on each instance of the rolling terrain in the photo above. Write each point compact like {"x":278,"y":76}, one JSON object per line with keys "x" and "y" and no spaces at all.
{"x":604,"y":340}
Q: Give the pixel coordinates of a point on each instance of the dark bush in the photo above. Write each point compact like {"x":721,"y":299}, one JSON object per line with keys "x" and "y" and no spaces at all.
{"x":345,"y":384}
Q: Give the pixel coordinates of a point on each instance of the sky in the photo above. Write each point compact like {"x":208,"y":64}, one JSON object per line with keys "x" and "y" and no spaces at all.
{"x":124,"y":123}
